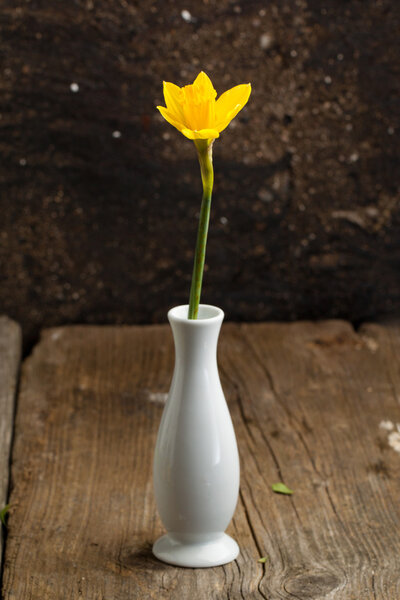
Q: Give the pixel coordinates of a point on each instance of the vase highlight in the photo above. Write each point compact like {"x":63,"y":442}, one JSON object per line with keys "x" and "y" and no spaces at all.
{"x":196,"y":462}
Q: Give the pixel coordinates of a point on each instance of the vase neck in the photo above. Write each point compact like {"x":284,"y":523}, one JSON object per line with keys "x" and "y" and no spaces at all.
{"x":196,"y":340}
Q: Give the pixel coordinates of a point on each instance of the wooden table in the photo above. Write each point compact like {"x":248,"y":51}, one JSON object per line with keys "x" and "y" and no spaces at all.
{"x":315,"y":405}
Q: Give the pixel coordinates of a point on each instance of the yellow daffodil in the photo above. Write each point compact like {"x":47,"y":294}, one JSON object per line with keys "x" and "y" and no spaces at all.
{"x":194,"y":110}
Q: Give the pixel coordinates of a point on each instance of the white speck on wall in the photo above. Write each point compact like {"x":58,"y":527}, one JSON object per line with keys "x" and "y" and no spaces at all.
{"x":354,"y":157}
{"x":266,"y":41}
{"x":116,"y":134}
{"x":223,"y":220}
{"x":22,"y":162}
{"x":387,"y":425}
{"x":349,"y":215}
{"x":74,"y":87}
{"x":328,"y":80}
{"x":394,"y":440}
{"x":265,"y":195}
{"x":186,"y":16}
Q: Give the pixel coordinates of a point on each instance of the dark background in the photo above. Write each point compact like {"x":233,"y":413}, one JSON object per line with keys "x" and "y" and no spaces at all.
{"x":98,"y":228}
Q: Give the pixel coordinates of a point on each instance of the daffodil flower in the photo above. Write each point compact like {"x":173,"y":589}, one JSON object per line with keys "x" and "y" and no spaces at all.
{"x":195,"y":112}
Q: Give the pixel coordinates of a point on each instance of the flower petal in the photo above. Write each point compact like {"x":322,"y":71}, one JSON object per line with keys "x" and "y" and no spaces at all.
{"x":171,"y":118}
{"x":200,"y":134}
{"x":203,"y":84}
{"x":173,"y":99}
{"x":230,"y":103}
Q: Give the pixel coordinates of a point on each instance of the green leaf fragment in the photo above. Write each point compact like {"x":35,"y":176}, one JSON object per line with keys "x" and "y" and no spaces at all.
{"x":281,"y":488}
{"x":263,"y":559}
{"x":3,"y":513}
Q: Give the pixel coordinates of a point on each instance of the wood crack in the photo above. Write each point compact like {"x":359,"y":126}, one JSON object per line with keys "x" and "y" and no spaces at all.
{"x":294,"y":423}
{"x":253,"y":534}
{"x":373,"y":584}
{"x":266,"y":440}
{"x":240,"y":579}
{"x":296,"y":428}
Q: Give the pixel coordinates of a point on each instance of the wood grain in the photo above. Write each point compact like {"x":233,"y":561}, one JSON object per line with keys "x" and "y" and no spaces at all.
{"x":307,"y":400}
{"x":10,"y":356}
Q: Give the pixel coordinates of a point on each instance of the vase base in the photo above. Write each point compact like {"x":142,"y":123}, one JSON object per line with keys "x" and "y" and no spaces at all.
{"x":204,"y":554}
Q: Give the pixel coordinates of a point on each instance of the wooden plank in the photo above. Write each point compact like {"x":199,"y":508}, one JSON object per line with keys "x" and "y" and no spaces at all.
{"x":10,"y":356}
{"x":314,"y":424}
{"x":307,"y":401}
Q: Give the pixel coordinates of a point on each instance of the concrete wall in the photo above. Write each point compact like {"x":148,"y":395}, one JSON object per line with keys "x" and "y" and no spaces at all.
{"x":99,"y":226}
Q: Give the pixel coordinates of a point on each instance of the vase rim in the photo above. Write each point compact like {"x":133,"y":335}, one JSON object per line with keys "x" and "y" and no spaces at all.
{"x":207,"y":314}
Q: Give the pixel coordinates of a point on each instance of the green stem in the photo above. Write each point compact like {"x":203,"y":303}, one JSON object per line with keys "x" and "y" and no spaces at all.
{"x":204,"y":151}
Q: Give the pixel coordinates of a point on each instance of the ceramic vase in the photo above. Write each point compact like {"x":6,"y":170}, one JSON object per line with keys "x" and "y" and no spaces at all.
{"x":196,"y":462}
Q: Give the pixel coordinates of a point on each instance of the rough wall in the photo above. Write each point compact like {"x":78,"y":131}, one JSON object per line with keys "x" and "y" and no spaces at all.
{"x":100,"y":196}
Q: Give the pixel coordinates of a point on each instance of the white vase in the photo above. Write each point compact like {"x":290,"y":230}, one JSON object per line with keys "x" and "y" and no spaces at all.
{"x":196,"y":462}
